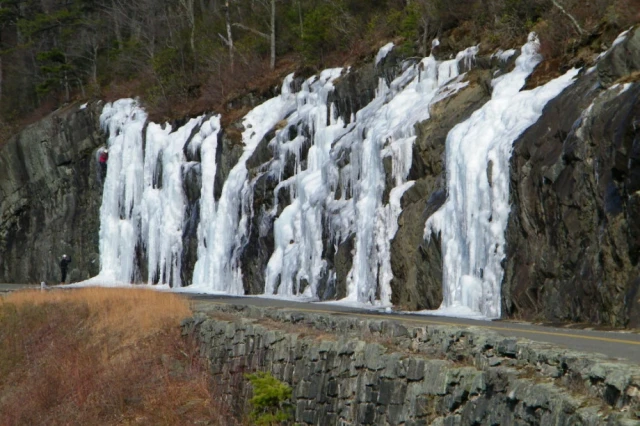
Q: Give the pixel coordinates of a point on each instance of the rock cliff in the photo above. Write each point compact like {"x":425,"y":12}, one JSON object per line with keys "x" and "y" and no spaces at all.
{"x":572,"y":241}
{"x":574,"y":229}
{"x":50,"y":198}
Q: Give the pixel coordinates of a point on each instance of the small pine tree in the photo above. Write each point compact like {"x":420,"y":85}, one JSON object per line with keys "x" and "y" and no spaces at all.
{"x":270,"y":400}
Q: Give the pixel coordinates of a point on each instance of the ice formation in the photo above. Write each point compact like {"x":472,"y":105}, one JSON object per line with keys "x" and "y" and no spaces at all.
{"x":331,"y":180}
{"x":473,"y":220}
{"x":143,"y":202}
{"x":223,"y":225}
{"x":349,"y":199}
{"x":298,"y":230}
{"x":383,"y":52}
{"x":143,"y":210}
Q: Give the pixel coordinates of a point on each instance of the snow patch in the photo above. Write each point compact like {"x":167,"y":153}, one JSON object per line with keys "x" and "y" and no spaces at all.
{"x":383,"y":52}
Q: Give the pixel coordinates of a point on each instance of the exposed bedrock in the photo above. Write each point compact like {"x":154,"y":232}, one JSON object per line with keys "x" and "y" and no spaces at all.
{"x":573,"y":239}
{"x":50,"y":196}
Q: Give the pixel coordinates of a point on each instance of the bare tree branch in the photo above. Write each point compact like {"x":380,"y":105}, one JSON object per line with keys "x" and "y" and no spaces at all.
{"x":253,"y":30}
{"x":189,"y":9}
{"x":225,"y":41}
{"x":568,"y":15}
{"x":229,"y":34}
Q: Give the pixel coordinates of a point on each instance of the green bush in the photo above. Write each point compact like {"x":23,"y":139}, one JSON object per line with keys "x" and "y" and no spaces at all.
{"x":270,"y":400}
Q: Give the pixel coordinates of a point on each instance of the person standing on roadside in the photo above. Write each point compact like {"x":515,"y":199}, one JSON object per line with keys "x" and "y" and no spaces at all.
{"x":64,"y":265}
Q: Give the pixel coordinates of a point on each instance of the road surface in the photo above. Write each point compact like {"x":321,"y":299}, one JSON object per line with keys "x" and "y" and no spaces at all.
{"x":623,"y":344}
{"x":616,"y":344}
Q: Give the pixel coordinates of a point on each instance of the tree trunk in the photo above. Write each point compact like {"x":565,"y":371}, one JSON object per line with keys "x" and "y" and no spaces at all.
{"x":84,"y":94}
{"x":425,"y":35}
{"x":94,"y":69}
{"x":229,"y":35}
{"x":272,"y":64}
{"x":188,"y":6}
{"x":116,"y":25}
{"x":573,"y":20}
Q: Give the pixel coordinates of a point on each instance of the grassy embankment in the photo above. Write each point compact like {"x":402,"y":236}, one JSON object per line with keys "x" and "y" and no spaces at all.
{"x":101,"y":356}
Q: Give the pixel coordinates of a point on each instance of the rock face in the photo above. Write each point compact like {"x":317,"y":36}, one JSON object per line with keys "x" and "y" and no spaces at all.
{"x":381,"y":372}
{"x":50,"y":197}
{"x":573,"y":240}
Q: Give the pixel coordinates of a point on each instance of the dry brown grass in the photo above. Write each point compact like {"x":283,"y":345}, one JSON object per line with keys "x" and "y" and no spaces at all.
{"x":101,"y":356}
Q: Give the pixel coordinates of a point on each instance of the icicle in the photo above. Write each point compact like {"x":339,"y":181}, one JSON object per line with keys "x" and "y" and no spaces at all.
{"x":299,"y":228}
{"x":119,"y":218}
{"x":383,"y":128}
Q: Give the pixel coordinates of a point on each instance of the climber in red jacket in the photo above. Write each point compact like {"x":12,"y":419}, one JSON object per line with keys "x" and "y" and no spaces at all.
{"x":102,"y":160}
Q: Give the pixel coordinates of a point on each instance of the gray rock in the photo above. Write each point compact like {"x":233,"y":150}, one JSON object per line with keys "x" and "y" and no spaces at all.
{"x":50,"y":194}
{"x":364,"y":383}
{"x":572,"y":252}
{"x":417,"y":264}
{"x":623,"y":60}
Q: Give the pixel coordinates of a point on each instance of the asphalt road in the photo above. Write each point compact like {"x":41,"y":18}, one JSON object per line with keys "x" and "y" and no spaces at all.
{"x":5,"y":288}
{"x":624,"y":345}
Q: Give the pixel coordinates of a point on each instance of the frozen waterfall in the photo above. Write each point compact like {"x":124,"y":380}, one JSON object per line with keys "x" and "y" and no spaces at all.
{"x":473,"y":220}
{"x":347,"y":200}
{"x":143,"y":210}
{"x":143,"y":202}
{"x":223,"y":227}
{"x":331,"y":184}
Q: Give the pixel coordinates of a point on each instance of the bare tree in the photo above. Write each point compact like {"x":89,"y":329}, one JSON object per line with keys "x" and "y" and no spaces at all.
{"x":229,"y":39}
{"x":272,"y":63}
{"x":187,"y":5}
{"x":300,"y":18}
{"x":573,"y":20}
{"x":116,"y":24}
{"x":271,"y":37}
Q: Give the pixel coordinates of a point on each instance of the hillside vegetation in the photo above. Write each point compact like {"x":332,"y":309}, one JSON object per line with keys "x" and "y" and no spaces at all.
{"x":186,"y":56}
{"x":100,"y":357}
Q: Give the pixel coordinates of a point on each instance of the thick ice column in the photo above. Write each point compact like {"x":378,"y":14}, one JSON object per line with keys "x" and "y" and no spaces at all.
{"x":225,"y":228}
{"x":472,"y":222}
{"x":298,"y":230}
{"x":208,"y":145}
{"x":163,"y":202}
{"x":123,"y":187}
{"x":387,"y":124}
{"x":143,"y":205}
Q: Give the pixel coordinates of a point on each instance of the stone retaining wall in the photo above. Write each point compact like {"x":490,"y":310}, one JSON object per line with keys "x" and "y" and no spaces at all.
{"x":346,"y":370}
